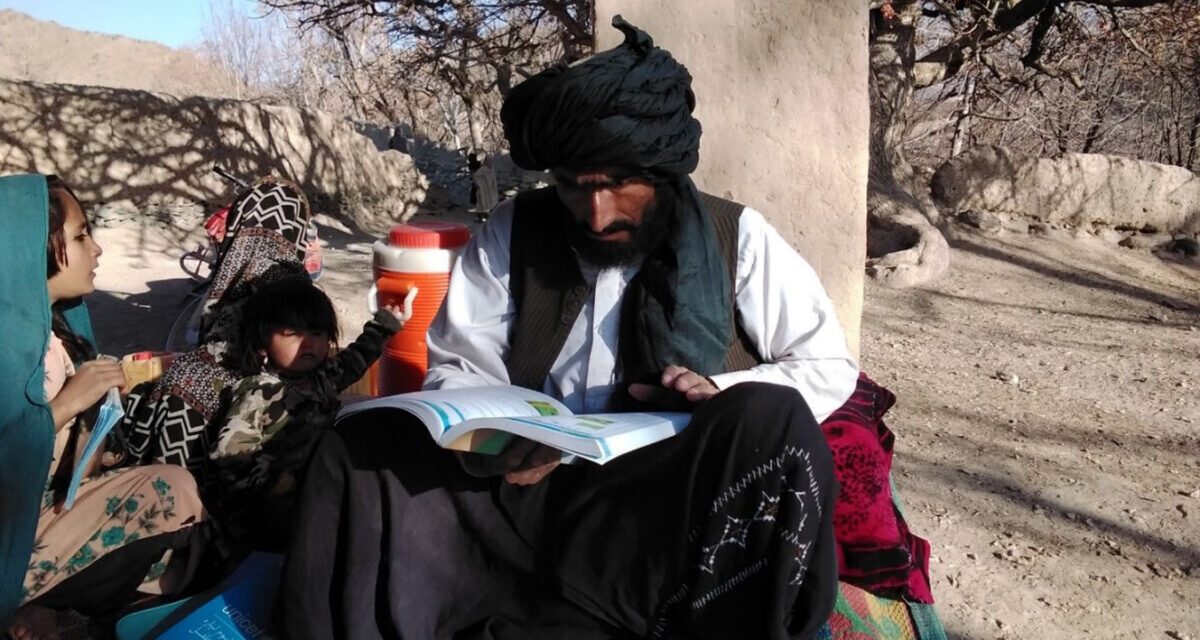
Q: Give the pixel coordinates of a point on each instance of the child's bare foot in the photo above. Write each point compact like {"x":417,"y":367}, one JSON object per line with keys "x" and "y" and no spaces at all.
{"x":32,"y":622}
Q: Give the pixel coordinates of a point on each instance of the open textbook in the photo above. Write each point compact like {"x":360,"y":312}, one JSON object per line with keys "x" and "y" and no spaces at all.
{"x":484,"y":420}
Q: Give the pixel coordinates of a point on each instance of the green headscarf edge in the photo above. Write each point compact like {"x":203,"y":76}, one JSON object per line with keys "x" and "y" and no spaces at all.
{"x":26,"y":424}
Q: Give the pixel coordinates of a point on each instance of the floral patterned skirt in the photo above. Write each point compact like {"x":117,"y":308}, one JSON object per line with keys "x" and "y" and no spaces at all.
{"x":111,"y":511}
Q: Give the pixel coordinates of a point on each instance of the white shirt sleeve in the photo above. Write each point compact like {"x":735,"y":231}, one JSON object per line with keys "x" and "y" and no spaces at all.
{"x":468,"y":339}
{"x":790,"y":320}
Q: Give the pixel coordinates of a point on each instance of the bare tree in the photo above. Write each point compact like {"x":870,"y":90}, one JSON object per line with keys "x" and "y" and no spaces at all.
{"x":247,"y":49}
{"x":1134,"y":90}
{"x":958,"y":38}
{"x":472,"y":48}
{"x":1045,"y":75}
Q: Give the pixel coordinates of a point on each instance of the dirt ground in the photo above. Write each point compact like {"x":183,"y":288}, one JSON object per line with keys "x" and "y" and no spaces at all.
{"x":1047,"y":423}
{"x":1048,"y":436}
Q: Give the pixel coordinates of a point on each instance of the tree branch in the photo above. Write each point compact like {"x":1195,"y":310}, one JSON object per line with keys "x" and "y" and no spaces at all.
{"x":1037,"y":47}
{"x":991,"y":24}
{"x":560,"y":13}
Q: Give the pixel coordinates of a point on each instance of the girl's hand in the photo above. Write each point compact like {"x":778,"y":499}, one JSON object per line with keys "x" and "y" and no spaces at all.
{"x":91,"y":381}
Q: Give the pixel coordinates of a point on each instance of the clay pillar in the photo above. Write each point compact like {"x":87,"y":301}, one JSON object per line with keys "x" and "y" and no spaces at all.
{"x":781,"y":90}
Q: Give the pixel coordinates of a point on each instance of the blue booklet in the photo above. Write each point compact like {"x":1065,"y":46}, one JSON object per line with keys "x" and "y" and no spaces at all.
{"x":238,"y":609}
{"x":242,"y":609}
{"x":110,"y":414}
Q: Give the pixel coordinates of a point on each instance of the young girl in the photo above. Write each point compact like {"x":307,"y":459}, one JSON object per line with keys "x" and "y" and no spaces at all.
{"x":288,"y":328}
{"x":117,"y":538}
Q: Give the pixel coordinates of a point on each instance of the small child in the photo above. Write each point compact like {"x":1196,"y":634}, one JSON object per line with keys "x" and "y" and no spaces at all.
{"x":278,"y":413}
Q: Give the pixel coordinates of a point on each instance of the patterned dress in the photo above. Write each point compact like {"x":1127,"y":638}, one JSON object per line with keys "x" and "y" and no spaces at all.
{"x":111,"y":510}
{"x":274,"y":421}
{"x":172,"y":420}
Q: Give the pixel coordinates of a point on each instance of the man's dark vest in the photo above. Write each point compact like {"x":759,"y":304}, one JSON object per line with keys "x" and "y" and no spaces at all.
{"x":549,"y":290}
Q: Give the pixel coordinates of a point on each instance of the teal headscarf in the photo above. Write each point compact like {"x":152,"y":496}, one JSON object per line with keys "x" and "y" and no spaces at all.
{"x":26,"y":425}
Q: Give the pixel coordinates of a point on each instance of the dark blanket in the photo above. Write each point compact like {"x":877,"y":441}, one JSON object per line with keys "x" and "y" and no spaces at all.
{"x":876,"y":550}
{"x":723,"y":531}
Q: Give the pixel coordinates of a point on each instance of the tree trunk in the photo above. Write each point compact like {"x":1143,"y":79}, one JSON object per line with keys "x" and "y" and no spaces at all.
{"x":962,"y":128}
{"x":347,"y":72}
{"x":473,"y":125}
{"x":416,"y":129}
{"x":466,"y":90}
{"x":504,"y":75}
{"x":903,"y":247}
{"x":450,"y":121}
{"x":1194,"y":144}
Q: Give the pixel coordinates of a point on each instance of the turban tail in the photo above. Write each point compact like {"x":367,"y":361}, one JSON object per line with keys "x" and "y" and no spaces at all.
{"x":631,"y":108}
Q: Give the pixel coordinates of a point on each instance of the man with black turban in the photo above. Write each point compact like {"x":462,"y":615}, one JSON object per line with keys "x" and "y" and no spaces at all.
{"x":622,"y":286}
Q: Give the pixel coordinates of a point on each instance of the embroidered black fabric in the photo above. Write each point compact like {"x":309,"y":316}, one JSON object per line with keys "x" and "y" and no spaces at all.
{"x":723,"y":531}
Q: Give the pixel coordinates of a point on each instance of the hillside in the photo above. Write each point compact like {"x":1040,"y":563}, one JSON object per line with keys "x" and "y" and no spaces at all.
{"x":44,"y":51}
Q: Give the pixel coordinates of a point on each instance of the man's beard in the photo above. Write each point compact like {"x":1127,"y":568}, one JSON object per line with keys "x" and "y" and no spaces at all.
{"x":643,"y":238}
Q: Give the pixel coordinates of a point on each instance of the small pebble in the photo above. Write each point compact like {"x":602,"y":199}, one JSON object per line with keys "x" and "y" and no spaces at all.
{"x":1007,"y":378}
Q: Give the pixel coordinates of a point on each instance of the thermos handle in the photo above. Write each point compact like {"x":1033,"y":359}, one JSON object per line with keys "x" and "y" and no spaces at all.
{"x":373,"y":303}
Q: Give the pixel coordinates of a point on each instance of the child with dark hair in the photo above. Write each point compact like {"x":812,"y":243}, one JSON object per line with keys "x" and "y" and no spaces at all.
{"x":288,"y":329}
{"x":125,"y":534}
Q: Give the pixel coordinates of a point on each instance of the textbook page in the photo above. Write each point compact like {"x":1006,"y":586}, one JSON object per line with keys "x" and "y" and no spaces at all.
{"x":439,"y":410}
{"x":595,"y":437}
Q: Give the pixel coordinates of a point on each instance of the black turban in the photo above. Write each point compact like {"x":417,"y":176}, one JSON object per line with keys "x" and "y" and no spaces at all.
{"x":628,"y":107}
{"x":631,"y":108}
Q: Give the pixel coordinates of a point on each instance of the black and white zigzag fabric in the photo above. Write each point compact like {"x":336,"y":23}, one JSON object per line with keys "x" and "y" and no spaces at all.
{"x":275,"y":205}
{"x":168,"y":421}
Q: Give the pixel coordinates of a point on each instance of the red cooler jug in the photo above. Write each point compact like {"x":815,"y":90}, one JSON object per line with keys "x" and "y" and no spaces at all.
{"x":412,"y":270}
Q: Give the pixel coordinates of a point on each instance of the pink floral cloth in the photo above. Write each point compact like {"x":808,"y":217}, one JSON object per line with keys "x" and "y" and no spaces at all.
{"x":111,"y":510}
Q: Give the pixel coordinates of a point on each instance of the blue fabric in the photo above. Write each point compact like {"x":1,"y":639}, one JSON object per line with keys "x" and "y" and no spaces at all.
{"x":926,"y":621}
{"x":26,"y":425}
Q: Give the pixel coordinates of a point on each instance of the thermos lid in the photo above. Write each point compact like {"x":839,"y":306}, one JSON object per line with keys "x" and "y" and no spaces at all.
{"x":429,"y":235}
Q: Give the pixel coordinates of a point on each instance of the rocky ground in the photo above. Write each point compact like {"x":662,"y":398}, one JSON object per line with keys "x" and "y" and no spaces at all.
{"x":1048,"y":421}
{"x":1048,"y":435}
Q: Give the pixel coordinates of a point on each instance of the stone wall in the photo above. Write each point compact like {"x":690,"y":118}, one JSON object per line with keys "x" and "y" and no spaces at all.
{"x":117,"y":145}
{"x":451,"y":182}
{"x":447,"y":169}
{"x":781,"y":90}
{"x":1077,"y":190}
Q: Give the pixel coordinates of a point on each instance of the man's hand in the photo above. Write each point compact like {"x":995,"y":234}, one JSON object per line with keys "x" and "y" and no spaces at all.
{"x":523,"y":462}
{"x":681,"y":387}
{"x":541,"y":468}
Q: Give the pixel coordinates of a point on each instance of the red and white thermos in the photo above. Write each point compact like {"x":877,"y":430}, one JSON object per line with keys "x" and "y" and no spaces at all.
{"x":412,"y":270}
